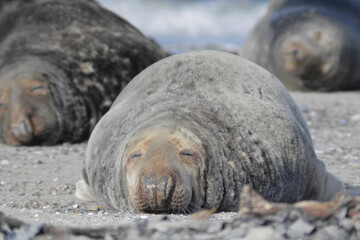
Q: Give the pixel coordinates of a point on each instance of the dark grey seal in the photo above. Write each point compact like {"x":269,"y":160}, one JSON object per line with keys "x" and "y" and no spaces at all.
{"x":309,"y":44}
{"x":62,"y":64}
{"x":189,"y":131}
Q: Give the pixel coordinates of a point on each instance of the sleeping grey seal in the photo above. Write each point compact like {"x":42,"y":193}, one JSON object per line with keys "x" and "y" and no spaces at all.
{"x":309,"y":45}
{"x":189,"y":131}
{"x":62,"y":63}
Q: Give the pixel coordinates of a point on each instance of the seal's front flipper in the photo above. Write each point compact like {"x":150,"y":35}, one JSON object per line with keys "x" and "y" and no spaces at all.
{"x":331,"y":186}
{"x":83,"y":191}
{"x":325,"y":185}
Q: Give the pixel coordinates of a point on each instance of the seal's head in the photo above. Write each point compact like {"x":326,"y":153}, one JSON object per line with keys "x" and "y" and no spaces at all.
{"x":164,"y":168}
{"x":317,"y":53}
{"x":31,"y":105}
{"x":312,"y":54}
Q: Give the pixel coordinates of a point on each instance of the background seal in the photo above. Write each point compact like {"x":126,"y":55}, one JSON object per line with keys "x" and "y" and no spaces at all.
{"x":62,"y":63}
{"x":309,"y":45}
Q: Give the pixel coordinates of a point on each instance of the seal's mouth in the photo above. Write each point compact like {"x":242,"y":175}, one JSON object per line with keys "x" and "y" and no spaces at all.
{"x":153,"y":198}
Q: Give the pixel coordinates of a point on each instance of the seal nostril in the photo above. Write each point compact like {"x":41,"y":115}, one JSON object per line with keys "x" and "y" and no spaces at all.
{"x":164,"y":187}
{"x":148,"y":181}
{"x":23,"y":127}
{"x":162,"y":183}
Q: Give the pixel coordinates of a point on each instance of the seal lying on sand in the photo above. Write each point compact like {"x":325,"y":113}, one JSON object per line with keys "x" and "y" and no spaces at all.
{"x":189,"y":131}
{"x":309,"y":45}
{"x":62,"y":63}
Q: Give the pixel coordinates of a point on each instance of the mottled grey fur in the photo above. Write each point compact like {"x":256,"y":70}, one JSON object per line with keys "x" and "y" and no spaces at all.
{"x":251,"y":128}
{"x":88,"y":53}
{"x":287,"y":18}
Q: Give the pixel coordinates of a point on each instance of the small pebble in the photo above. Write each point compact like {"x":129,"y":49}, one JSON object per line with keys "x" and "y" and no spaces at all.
{"x":330,"y":233}
{"x":5,"y":162}
{"x":355,"y":118}
{"x":37,"y":194}
{"x":144,"y":217}
{"x":299,"y":228}
{"x":319,"y":151}
{"x":260,"y":233}
{"x":37,"y":161}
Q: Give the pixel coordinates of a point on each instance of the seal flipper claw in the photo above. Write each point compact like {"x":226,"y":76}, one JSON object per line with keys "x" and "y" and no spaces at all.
{"x":83,"y":191}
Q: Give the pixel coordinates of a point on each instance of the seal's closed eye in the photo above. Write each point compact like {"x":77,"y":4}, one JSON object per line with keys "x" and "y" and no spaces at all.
{"x":39,"y":90}
{"x":36,"y":88}
{"x":187,"y":153}
{"x":190,"y":157}
{"x":136,"y":154}
{"x":133,"y":158}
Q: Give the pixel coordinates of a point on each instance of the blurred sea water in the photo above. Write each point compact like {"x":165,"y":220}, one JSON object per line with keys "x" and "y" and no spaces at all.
{"x":183,"y":25}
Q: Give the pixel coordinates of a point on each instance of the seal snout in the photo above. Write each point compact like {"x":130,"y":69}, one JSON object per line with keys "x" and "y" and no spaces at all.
{"x":157,"y":190}
{"x":157,"y":184}
{"x":22,"y":130}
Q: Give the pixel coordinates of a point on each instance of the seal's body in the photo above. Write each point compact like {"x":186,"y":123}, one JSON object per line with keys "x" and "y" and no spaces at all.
{"x":11,"y":5}
{"x":189,"y":131}
{"x":62,"y":63}
{"x":309,"y":45}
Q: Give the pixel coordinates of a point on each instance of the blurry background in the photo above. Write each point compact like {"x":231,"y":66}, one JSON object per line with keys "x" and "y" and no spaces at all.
{"x":182,"y":25}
